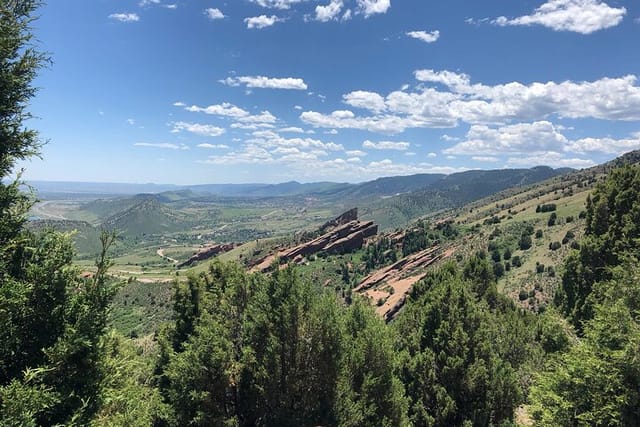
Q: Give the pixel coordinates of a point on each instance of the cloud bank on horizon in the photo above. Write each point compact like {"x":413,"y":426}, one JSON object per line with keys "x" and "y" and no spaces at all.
{"x":271,"y":90}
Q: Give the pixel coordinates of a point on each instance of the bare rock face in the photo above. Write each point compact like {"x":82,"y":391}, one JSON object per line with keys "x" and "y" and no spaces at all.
{"x":345,"y":238}
{"x":345,"y":218}
{"x":208,"y":252}
{"x":345,"y":234}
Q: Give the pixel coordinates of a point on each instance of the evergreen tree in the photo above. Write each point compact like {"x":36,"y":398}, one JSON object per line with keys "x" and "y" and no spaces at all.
{"x":50,"y":342}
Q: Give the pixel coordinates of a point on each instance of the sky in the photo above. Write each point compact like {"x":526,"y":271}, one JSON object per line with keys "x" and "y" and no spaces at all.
{"x":205,"y":91}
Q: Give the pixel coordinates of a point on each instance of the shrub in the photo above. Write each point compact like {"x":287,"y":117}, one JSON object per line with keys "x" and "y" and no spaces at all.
{"x":523,"y":295}
{"x":525,"y":242}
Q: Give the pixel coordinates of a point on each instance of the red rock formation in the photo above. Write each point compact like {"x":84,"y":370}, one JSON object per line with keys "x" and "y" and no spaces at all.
{"x":346,"y":237}
{"x":208,"y":252}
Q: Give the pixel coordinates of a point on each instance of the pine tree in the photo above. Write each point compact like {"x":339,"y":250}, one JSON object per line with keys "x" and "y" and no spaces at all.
{"x":52,"y":321}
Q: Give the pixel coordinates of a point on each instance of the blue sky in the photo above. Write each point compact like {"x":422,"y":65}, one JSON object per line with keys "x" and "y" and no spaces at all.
{"x":203,"y":91}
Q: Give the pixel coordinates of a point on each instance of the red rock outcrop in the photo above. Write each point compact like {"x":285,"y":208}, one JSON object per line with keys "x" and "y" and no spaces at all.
{"x":208,"y":252}
{"x":342,"y":238}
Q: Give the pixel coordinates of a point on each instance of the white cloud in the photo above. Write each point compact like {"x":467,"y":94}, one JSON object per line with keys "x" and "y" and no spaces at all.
{"x":485,"y":159}
{"x":355,"y":153}
{"x":292,"y":129}
{"x":552,"y":159}
{"x":372,"y":7}
{"x":447,"y":78}
{"x":432,"y":154}
{"x":252,"y":126}
{"x":145,"y":3}
{"x":386,"y":145}
{"x":179,"y":104}
{"x":518,"y":138}
{"x":262,"y":21}
{"x":225,"y":109}
{"x":125,"y":17}
{"x":131,"y":122}
{"x":330,"y":11}
{"x":366,"y":100}
{"x":197,"y":128}
{"x":162,"y":145}
{"x":605,"y":145}
{"x":536,"y":138}
{"x":262,"y":82}
{"x":229,"y":110}
{"x":580,"y":16}
{"x":216,"y":146}
{"x":214,"y":13}
{"x":277,"y":4}
{"x":425,"y":36}
{"x":461,"y":101}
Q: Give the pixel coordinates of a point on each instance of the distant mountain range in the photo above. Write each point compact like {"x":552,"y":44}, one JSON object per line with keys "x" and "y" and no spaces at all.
{"x":387,"y":186}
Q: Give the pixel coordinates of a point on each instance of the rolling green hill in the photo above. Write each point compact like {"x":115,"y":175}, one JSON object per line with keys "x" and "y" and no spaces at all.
{"x":147,"y":216}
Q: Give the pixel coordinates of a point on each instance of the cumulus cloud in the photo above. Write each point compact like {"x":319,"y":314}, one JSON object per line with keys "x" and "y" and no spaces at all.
{"x":146,"y":3}
{"x":292,"y":129}
{"x":366,"y":100}
{"x":386,"y":145}
{"x":216,"y":146}
{"x":372,"y":7}
{"x":425,"y":36}
{"x":225,"y":109}
{"x":580,"y":16}
{"x":447,"y":98}
{"x":485,"y":159}
{"x":262,"y":82}
{"x":330,"y":11}
{"x":197,"y":128}
{"x":518,"y":138}
{"x":162,"y":145}
{"x":605,"y":145}
{"x":214,"y":13}
{"x":231,"y":111}
{"x":536,"y":139}
{"x":446,"y":78}
{"x":125,"y":17}
{"x":262,"y":21}
{"x":277,"y":4}
{"x":552,"y":159}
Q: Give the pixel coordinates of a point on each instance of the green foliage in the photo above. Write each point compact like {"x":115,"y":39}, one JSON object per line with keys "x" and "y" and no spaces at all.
{"x":369,"y":391}
{"x":597,"y":381}
{"x":50,"y":350}
{"x":251,"y":350}
{"x":549,"y":207}
{"x":525,"y":242}
{"x":19,"y":62}
{"x":554,"y":246}
{"x":612,"y":230}
{"x":379,"y":254}
{"x":453,"y":373}
{"x":552,"y":219}
{"x":127,"y":394}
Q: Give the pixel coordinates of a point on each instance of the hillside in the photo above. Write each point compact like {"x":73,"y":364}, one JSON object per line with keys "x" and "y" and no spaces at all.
{"x":147,"y":216}
{"x":452,"y":191}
